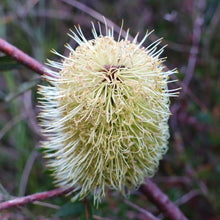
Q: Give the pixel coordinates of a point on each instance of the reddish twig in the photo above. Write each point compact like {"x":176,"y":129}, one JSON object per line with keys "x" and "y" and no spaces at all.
{"x":155,"y":195}
{"x":97,"y":16}
{"x":86,"y":208}
{"x":34,"y":197}
{"x":193,"y":53}
{"x":26,"y":172}
{"x":147,"y":214}
{"x":23,"y":58}
{"x":187,"y":197}
{"x":197,"y":28}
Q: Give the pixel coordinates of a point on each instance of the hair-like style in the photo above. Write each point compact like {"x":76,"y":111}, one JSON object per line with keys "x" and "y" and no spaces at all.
{"x":105,"y":114}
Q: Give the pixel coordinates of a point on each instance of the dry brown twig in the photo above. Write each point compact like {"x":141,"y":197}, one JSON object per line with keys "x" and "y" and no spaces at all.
{"x":149,"y":189}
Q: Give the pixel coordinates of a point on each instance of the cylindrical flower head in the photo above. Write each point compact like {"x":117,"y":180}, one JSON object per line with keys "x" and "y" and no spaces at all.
{"x":105,"y":113}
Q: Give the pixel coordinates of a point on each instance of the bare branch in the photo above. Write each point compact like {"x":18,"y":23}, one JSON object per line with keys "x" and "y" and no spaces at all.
{"x":86,"y":208}
{"x":26,"y":172}
{"x":148,"y":215}
{"x":23,"y":58}
{"x":11,"y":123}
{"x":97,"y":16}
{"x":34,"y":197}
{"x":187,"y":197}
{"x":155,"y":195}
{"x":197,"y":28}
{"x":46,"y":204}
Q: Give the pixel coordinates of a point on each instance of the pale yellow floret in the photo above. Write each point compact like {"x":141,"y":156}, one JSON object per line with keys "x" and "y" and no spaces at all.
{"x":106,"y":115}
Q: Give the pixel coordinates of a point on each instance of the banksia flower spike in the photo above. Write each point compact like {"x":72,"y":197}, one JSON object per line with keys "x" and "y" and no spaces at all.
{"x":105,"y":113}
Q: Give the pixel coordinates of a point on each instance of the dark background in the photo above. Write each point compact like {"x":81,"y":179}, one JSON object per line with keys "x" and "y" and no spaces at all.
{"x":189,"y":173}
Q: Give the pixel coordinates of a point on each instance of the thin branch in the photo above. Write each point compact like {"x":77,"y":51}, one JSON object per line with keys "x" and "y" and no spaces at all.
{"x":210,"y":30}
{"x":197,"y":28}
{"x":149,"y":189}
{"x":21,"y":10}
{"x":97,"y":15}
{"x":148,"y":215}
{"x":86,"y":208}
{"x":3,"y":193}
{"x":34,"y":197}
{"x":173,"y":180}
{"x":26,"y":86}
{"x":46,"y":204}
{"x":23,"y":58}
{"x":30,"y":113}
{"x":187,"y":197}
{"x":11,"y":123}
{"x":155,"y":195}
{"x":26,"y":172}
{"x":193,"y":52}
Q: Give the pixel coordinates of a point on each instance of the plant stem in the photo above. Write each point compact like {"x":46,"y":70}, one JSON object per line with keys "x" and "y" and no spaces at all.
{"x":34,"y":197}
{"x":86,"y":208}
{"x":23,"y":58}
{"x":156,"y":196}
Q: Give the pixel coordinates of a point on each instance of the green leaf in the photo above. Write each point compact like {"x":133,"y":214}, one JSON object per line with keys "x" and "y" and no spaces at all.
{"x":8,"y":63}
{"x":70,"y":209}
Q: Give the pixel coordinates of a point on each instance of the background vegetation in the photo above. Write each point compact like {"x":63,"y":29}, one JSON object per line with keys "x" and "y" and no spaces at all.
{"x":190,"y":172}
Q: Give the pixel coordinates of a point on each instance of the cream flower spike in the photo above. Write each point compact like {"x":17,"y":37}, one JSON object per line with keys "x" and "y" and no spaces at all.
{"x":105,"y":113}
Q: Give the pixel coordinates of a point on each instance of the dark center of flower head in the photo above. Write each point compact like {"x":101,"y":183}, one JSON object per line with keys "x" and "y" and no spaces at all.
{"x":110,"y":72}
